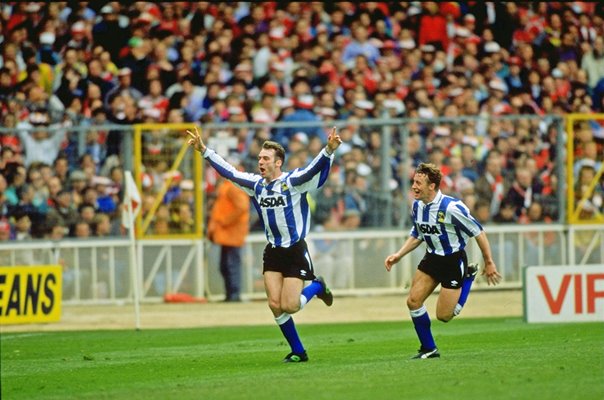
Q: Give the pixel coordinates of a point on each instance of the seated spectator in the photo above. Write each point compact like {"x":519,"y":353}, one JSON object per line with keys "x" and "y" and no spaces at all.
{"x":81,"y":230}
{"x":303,"y":113}
{"x":506,"y":214}
{"x":63,"y":212}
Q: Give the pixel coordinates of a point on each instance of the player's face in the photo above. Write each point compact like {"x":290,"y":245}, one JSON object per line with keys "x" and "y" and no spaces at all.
{"x":268,"y":165}
{"x":422,"y":189}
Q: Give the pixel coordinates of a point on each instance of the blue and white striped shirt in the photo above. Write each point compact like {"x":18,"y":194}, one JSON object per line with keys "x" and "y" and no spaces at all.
{"x":282,"y":203}
{"x":445,"y":224}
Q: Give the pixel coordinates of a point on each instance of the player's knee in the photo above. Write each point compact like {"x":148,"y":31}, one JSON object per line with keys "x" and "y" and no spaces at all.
{"x":275,"y":305}
{"x":413,"y":303}
{"x":444,"y":317}
{"x":290,"y":307}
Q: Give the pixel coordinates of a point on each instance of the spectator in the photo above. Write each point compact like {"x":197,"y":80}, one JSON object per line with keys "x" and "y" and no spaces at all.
{"x":521,"y":192}
{"x":22,"y":226}
{"x":81,"y":230}
{"x":41,"y":141}
{"x":228,"y":226}
{"x":492,"y":186}
{"x":303,"y":113}
{"x":108,"y":32}
{"x":63,"y":212}
{"x":360,"y":46}
{"x":124,"y":88}
{"x":182,"y":219}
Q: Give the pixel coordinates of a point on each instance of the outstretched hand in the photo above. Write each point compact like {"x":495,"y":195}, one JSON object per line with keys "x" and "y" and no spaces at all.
{"x":196,"y":141}
{"x":333,"y":140}
{"x":490,"y":272}
{"x":391,"y":260}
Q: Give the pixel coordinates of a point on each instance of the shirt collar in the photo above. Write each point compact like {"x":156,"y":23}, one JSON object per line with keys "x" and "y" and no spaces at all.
{"x":437,"y":198}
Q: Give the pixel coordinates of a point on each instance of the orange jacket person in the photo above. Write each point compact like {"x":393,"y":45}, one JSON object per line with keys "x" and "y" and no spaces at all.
{"x":228,"y":227}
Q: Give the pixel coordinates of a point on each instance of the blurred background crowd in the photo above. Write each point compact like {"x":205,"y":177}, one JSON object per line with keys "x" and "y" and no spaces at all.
{"x":67,"y":64}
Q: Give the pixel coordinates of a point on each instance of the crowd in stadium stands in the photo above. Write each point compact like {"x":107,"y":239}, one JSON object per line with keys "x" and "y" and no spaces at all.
{"x":82,"y":63}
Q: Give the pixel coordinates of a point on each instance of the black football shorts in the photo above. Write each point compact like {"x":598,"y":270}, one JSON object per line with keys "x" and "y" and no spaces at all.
{"x":292,"y":262}
{"x":448,"y":270}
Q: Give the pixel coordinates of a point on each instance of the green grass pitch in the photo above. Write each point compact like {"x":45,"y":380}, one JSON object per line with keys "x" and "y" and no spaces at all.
{"x":493,"y":358}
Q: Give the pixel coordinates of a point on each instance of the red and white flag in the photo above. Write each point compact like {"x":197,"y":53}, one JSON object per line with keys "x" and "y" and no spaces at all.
{"x":132,"y":198}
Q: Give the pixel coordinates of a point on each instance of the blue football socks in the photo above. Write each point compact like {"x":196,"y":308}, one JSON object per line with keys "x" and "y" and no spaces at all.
{"x":312,"y":290}
{"x":466,"y":285}
{"x":309,"y":292}
{"x":421,"y":321}
{"x":286,"y":323}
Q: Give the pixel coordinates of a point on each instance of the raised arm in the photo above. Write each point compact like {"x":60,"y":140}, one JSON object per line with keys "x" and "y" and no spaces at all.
{"x":244,"y":180}
{"x":196,"y":141}
{"x":333,"y":141}
{"x":315,"y":174}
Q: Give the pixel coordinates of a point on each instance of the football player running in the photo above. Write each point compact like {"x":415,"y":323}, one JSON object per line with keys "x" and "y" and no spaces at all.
{"x":280,"y":200}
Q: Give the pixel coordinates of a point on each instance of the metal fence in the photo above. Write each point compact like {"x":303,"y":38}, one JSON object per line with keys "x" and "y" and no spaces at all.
{"x":98,"y":271}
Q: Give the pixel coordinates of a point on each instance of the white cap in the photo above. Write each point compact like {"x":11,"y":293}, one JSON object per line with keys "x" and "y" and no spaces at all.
{"x":462,"y":32}
{"x":363,"y":169}
{"x":278,"y":66}
{"x":492,"y":47}
{"x":364,"y":104}
{"x":407,"y":44}
{"x":187,"y":184}
{"x":285,"y":102}
{"x":78,"y":27}
{"x":395,"y":104}
{"x":413,"y":10}
{"x":235,"y":110}
{"x":301,"y":137}
{"x":498,"y":84}
{"x":425,"y":112}
{"x":442,"y":130}
{"x":47,"y":38}
{"x":107,"y":9}
{"x":261,"y":116}
{"x":328,"y":111}
{"x":306,"y":101}
{"x":277,"y":33}
{"x":456,"y":91}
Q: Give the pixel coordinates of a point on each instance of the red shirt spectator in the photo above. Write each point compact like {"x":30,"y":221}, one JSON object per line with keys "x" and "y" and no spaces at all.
{"x":433,"y":26}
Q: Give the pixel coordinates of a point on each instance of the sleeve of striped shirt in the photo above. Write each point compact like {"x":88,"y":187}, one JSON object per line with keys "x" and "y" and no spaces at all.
{"x":244,"y":180}
{"x":314,"y":175}
{"x":460,"y":217}
{"x":414,"y":232}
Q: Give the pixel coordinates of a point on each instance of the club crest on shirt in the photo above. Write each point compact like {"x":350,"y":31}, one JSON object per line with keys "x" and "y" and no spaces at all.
{"x":284,"y":187}
{"x":440,"y":217}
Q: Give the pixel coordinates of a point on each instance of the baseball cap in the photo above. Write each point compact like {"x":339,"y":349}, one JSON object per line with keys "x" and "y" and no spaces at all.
{"x":77,"y":175}
{"x":124,"y":72}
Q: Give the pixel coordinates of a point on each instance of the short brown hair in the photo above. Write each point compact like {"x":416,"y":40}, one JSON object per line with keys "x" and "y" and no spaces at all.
{"x":279,"y":150}
{"x":431,"y":171}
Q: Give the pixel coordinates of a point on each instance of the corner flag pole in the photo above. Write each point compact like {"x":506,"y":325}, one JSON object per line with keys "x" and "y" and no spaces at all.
{"x":132,"y":200}
{"x":134,"y":268}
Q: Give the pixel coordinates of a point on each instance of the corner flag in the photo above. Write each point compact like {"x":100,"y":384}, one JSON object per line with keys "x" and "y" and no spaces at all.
{"x":132,"y":201}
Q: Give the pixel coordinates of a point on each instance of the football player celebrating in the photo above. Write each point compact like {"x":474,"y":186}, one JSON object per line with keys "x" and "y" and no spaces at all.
{"x":280,"y":199}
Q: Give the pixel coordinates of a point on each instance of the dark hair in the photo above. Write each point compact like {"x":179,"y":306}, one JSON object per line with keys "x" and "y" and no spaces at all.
{"x":279,"y":150}
{"x":431,"y":171}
